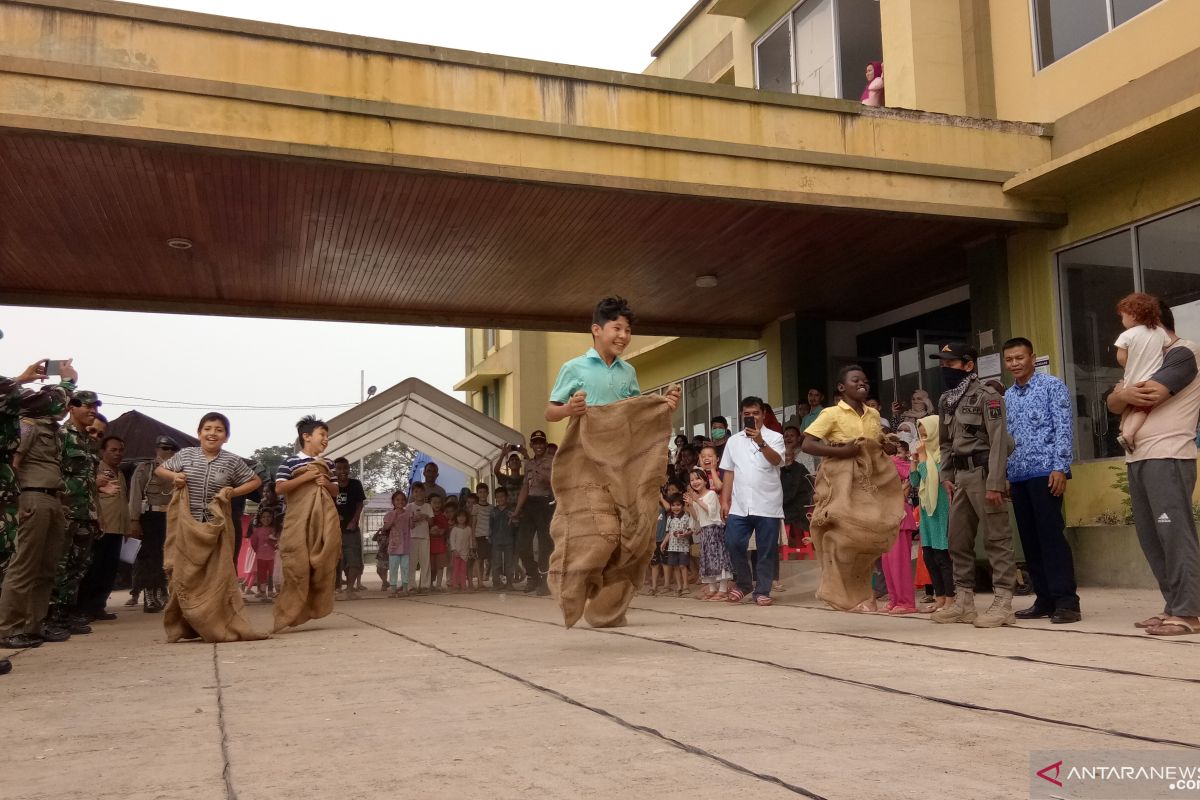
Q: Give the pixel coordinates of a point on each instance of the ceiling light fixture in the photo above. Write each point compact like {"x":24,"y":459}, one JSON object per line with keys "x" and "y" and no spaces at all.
{"x":179,"y":243}
{"x":706,"y":281}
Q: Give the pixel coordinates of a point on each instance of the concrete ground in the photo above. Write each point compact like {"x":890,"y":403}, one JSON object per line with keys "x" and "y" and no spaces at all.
{"x":486,"y":695}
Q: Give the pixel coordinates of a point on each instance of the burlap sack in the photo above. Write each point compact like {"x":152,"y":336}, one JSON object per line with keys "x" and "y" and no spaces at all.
{"x":206,"y":601}
{"x":309,"y":546}
{"x":606,"y":478}
{"x":859,"y":504}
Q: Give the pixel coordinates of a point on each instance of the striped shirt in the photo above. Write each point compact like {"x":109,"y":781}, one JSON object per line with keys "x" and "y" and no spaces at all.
{"x":290,"y":465}
{"x":205,"y":476}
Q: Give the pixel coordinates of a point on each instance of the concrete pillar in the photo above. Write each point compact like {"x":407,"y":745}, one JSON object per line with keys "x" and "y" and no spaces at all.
{"x":987,"y":270}
{"x":923,"y":55}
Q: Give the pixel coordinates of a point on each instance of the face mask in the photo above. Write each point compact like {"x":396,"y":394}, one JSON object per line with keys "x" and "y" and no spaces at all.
{"x":952,"y":377}
{"x":718,"y":434}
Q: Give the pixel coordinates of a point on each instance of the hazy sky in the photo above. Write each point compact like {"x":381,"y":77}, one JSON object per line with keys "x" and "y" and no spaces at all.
{"x":247,"y":362}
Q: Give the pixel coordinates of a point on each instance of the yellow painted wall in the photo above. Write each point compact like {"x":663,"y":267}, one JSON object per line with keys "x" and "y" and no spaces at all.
{"x":1033,"y":310}
{"x":1148,"y":41}
{"x":923,"y":55}
{"x":690,"y":46}
{"x":1090,"y":491}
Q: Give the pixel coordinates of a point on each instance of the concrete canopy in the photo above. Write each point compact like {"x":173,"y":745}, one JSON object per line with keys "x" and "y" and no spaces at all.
{"x":329,"y":176}
{"x":426,"y":419}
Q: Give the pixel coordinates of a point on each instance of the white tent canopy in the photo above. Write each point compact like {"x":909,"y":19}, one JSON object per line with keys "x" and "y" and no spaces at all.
{"x":420,"y":416}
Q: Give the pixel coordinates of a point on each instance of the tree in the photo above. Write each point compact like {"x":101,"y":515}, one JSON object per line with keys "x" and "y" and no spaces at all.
{"x":269,"y":458}
{"x":387,"y":469}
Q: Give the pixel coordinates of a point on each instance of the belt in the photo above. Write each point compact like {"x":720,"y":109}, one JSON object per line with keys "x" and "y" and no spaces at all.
{"x":42,"y":489}
{"x":159,"y":509}
{"x":971,"y":461}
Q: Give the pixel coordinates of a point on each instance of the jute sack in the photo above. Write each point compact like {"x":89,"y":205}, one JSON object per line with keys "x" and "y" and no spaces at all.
{"x":309,"y":547}
{"x":206,"y":601}
{"x":859,"y":505}
{"x":606,"y":480}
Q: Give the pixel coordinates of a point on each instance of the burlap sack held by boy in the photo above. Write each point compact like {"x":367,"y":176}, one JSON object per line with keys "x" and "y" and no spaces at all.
{"x":606,"y":480}
{"x":206,"y":601}
{"x":859,"y":505}
{"x":310,"y":546}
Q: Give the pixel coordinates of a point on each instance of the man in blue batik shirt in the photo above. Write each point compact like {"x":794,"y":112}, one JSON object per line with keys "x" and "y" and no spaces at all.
{"x":1038,"y":409}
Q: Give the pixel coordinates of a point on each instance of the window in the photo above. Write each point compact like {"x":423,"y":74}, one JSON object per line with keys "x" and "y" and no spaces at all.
{"x":1155,"y":257}
{"x":717,"y":392}
{"x":489,"y":340}
{"x":1167,"y":249}
{"x":1063,"y":26}
{"x":821,"y":48}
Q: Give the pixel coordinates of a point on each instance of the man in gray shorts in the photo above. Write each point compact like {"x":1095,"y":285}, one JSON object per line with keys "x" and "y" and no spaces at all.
{"x":349,"y":502}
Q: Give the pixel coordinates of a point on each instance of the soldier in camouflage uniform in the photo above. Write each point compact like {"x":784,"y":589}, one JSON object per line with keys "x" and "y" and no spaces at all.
{"x":14,"y":404}
{"x":80,"y":458}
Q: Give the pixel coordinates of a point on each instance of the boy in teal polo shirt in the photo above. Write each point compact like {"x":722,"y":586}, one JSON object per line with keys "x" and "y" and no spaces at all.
{"x":600,"y":376}
{"x":606,"y":474}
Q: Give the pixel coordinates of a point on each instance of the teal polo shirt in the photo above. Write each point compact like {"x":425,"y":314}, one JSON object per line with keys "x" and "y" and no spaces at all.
{"x":603,"y":383}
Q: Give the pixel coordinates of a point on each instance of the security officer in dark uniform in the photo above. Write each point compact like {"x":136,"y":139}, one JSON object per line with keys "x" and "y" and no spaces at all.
{"x":975,"y":450}
{"x":149,"y":496}
{"x":534,"y":510}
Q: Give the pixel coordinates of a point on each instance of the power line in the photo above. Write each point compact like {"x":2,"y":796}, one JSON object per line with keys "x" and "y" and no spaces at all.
{"x":193,"y":404}
{"x":110,"y":404}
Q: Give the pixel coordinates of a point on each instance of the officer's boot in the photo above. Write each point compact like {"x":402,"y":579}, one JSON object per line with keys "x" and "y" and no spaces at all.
{"x":999,"y":612}
{"x":961,"y":610}
{"x":152,"y":601}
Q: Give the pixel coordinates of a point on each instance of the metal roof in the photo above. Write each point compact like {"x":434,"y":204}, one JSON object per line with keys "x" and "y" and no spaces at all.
{"x":426,"y":419}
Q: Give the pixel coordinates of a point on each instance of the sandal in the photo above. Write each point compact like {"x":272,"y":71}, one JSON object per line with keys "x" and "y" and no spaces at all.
{"x":863,"y":608}
{"x":681,"y":592}
{"x":1150,"y":622}
{"x":764,"y":600}
{"x":902,"y":610}
{"x":1173,"y":627}
{"x":719,"y":597}
{"x":735,"y":596}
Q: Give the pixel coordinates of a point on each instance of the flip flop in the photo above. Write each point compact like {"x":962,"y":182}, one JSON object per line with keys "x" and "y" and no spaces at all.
{"x":1150,"y":622}
{"x":735,"y":596}
{"x":903,"y":610}
{"x":1173,"y":627}
{"x":764,"y":600}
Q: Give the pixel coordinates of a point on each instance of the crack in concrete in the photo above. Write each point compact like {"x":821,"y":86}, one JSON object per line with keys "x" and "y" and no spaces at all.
{"x":840,"y":679}
{"x":676,"y":743}
{"x":226,"y":770}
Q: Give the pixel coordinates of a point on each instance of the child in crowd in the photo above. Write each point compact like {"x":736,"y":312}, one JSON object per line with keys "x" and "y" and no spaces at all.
{"x":1140,"y":351}
{"x":264,"y":542}
{"x":897,"y":562}
{"x":704,"y":507}
{"x":439,"y":527}
{"x":397,"y":531}
{"x":658,"y":557}
{"x":481,"y":522}
{"x":678,"y":544}
{"x":380,"y":537}
{"x":503,"y":544}
{"x":462,"y":548}
{"x":710,"y":462}
{"x":418,"y":553}
{"x":935,"y":511}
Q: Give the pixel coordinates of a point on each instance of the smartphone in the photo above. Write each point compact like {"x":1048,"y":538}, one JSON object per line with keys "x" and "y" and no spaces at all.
{"x":54,"y":366}
{"x":748,"y":422}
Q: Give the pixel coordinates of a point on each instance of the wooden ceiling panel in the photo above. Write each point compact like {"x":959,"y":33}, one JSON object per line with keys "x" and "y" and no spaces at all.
{"x":87,"y":217}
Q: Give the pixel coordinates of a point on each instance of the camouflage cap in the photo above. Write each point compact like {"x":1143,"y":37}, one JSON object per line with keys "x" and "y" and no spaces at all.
{"x":85,"y":397}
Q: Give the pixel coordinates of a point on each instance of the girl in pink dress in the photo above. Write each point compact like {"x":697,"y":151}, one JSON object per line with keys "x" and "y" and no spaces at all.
{"x":897,"y":562}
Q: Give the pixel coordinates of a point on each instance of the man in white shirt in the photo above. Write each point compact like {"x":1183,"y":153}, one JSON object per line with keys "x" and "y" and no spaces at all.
{"x":752,"y":499}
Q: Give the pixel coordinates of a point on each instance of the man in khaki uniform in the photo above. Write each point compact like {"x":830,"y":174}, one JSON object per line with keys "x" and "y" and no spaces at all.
{"x":41,"y":538}
{"x":975,"y":450}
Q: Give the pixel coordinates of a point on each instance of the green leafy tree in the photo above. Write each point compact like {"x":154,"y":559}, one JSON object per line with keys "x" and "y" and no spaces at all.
{"x":269,"y":458}
{"x":387,"y":469}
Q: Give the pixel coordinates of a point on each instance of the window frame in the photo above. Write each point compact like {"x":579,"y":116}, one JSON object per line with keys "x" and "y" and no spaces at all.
{"x":789,"y":19}
{"x":1139,"y":282}
{"x":734,"y":424}
{"x":1110,"y":15}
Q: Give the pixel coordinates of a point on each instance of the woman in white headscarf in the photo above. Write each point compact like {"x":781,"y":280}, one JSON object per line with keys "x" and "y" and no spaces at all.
{"x":935,"y":510}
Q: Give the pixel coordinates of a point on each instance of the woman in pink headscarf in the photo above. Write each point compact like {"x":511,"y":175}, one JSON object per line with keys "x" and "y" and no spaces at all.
{"x":872,"y":94}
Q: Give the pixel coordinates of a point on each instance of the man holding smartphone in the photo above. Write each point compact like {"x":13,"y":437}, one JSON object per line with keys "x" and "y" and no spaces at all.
{"x":752,"y":500}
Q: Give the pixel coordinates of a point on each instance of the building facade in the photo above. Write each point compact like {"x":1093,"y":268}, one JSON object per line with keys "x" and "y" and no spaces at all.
{"x":1113,"y":85}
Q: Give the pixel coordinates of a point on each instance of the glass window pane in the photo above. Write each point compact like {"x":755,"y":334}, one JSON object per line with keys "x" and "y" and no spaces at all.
{"x":723,"y":393}
{"x":1125,"y":10}
{"x":753,"y":373}
{"x":677,"y":425}
{"x":696,"y":391}
{"x":1094,"y":277}
{"x":816,"y":56}
{"x":1167,"y":251}
{"x":773,"y":56}
{"x":1064,"y":26}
